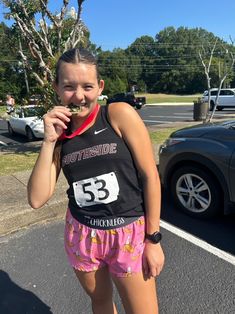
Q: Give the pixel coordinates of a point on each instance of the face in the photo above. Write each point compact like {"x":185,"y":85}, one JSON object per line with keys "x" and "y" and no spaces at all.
{"x":78,"y":85}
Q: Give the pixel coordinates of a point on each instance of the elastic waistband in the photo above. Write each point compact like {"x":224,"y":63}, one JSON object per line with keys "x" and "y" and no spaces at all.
{"x":105,"y":223}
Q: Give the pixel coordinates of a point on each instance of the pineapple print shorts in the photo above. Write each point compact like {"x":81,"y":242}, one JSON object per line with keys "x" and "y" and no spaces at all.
{"x":119,"y":249}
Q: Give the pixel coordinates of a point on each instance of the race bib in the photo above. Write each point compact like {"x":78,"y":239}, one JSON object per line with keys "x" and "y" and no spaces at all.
{"x":102,"y":189}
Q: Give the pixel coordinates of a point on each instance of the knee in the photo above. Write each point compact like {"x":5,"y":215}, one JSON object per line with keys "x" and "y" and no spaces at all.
{"x":99,"y":296}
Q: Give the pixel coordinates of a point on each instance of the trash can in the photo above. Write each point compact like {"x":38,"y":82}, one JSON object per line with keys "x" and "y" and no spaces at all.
{"x":200,"y":110}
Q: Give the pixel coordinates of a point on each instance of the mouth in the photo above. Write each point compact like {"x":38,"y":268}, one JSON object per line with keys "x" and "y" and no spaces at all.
{"x":76,"y":108}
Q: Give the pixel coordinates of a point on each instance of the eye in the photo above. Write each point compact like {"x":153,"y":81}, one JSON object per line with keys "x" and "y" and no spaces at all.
{"x":68,"y":87}
{"x":88,"y":87}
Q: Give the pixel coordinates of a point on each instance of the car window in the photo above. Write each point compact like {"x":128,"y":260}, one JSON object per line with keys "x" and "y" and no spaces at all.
{"x":228,"y":92}
{"x":34,"y":111}
{"x":222,"y":93}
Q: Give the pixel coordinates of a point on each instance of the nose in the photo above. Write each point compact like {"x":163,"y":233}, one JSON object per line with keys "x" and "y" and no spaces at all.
{"x":78,"y":95}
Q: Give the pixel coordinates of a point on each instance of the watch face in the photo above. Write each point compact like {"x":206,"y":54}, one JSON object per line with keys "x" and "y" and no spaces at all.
{"x":155,"y":237}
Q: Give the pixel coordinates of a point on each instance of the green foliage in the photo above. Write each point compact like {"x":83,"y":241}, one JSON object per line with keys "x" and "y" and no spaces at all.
{"x":168,"y":63}
{"x":11,"y":77}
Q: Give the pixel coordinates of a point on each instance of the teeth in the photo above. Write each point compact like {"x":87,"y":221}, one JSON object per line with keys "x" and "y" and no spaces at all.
{"x":74,"y":108}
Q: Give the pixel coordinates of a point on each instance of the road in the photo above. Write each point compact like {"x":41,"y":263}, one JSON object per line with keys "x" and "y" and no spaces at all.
{"x":151,"y":115}
{"x":169,"y":114}
{"x":35,"y":274}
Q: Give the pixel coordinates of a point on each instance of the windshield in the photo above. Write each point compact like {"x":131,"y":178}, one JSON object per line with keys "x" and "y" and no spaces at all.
{"x":34,"y":111}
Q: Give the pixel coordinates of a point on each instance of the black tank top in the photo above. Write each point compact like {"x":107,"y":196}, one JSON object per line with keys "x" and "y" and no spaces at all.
{"x":102,"y":177}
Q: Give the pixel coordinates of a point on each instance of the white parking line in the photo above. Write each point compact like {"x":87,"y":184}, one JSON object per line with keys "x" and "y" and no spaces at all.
{"x":158,"y":121}
{"x":182,"y":113}
{"x":202,"y":244}
{"x":172,"y":117}
{"x":3,"y":143}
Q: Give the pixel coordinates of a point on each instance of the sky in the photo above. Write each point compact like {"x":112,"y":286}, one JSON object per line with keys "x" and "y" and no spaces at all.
{"x":118,"y":23}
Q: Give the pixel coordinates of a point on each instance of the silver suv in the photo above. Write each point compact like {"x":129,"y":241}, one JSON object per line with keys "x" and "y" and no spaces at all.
{"x":226,"y":98}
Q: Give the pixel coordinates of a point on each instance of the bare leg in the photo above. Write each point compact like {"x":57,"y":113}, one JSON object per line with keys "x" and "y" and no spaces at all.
{"x":98,"y":286}
{"x":138,"y":294}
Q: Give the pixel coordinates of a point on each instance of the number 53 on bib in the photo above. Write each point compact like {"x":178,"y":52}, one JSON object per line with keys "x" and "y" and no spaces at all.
{"x":101,"y":189}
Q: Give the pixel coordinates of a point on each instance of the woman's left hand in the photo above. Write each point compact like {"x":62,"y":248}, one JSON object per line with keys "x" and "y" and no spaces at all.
{"x":153,"y":259}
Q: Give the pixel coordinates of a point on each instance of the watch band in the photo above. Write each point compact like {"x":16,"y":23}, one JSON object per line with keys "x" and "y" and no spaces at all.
{"x":154,"y":237}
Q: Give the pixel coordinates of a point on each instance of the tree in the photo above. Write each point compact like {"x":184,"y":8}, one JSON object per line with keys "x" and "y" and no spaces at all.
{"x":45,"y":42}
{"x":178,"y":63}
{"x":226,"y":59}
{"x":142,"y":54}
{"x":113,"y":69}
{"x":11,"y":75}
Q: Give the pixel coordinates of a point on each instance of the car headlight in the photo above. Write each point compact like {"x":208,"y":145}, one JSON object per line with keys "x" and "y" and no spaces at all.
{"x":173,"y":141}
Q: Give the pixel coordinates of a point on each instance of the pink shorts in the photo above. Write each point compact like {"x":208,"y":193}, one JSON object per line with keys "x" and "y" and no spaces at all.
{"x":120,"y":249}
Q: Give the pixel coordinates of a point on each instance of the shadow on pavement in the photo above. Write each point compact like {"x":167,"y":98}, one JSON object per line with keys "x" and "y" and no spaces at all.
{"x":14,"y":299}
{"x":19,"y":145}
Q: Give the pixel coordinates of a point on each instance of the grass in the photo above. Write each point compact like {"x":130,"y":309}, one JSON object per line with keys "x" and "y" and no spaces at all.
{"x":161,"y":98}
{"x":11,"y":163}
{"x":158,"y":137}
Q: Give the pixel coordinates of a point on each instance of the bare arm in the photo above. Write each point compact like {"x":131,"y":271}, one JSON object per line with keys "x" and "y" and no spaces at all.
{"x":42,"y":181}
{"x":129,"y":125}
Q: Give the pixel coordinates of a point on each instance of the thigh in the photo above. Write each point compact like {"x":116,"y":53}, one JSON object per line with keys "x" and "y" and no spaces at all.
{"x":97,"y":284}
{"x":137,"y":293}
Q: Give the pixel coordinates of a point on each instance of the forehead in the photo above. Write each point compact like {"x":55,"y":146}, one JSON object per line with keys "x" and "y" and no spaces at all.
{"x":70,"y":71}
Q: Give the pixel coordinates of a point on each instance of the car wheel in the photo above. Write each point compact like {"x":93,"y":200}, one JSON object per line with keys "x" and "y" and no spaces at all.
{"x":29,"y":134}
{"x":212,"y":105}
{"x":196,"y":192}
{"x":10,"y":130}
{"x":138,"y":106}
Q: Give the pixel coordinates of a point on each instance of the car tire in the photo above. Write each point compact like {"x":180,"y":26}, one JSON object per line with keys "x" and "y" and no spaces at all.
{"x":29,"y":134}
{"x":196,"y":192}
{"x":138,"y":106}
{"x":10,"y":130}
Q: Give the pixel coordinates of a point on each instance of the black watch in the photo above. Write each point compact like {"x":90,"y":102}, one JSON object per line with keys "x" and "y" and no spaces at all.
{"x":154,"y":237}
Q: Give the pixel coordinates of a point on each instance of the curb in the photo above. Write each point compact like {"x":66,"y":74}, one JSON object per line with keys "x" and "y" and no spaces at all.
{"x":28,"y":217}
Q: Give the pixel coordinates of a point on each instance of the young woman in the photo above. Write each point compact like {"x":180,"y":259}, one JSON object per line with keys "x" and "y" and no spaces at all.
{"x":112,"y":221}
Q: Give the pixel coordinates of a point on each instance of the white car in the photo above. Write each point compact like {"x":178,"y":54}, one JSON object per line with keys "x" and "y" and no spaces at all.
{"x":226,"y":98}
{"x":102,"y":97}
{"x":25,"y":120}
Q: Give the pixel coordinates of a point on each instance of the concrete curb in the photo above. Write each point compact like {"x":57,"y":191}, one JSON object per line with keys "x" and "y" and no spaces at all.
{"x":15,"y":212}
{"x":27,"y":217}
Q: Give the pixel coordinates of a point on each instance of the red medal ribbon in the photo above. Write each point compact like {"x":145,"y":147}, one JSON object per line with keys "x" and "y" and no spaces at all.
{"x":88,"y":120}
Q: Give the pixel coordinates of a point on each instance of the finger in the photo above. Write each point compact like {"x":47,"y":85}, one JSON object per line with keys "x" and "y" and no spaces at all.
{"x":145,"y":266}
{"x":153,"y":271}
{"x":55,"y":122}
{"x":53,"y":118}
{"x":158,"y":270}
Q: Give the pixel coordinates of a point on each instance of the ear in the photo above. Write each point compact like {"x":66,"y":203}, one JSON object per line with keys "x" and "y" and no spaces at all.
{"x":101,"y":86}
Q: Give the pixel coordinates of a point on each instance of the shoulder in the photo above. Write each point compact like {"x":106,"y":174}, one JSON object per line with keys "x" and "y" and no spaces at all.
{"x":123,"y":117}
{"x":120,"y":110}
